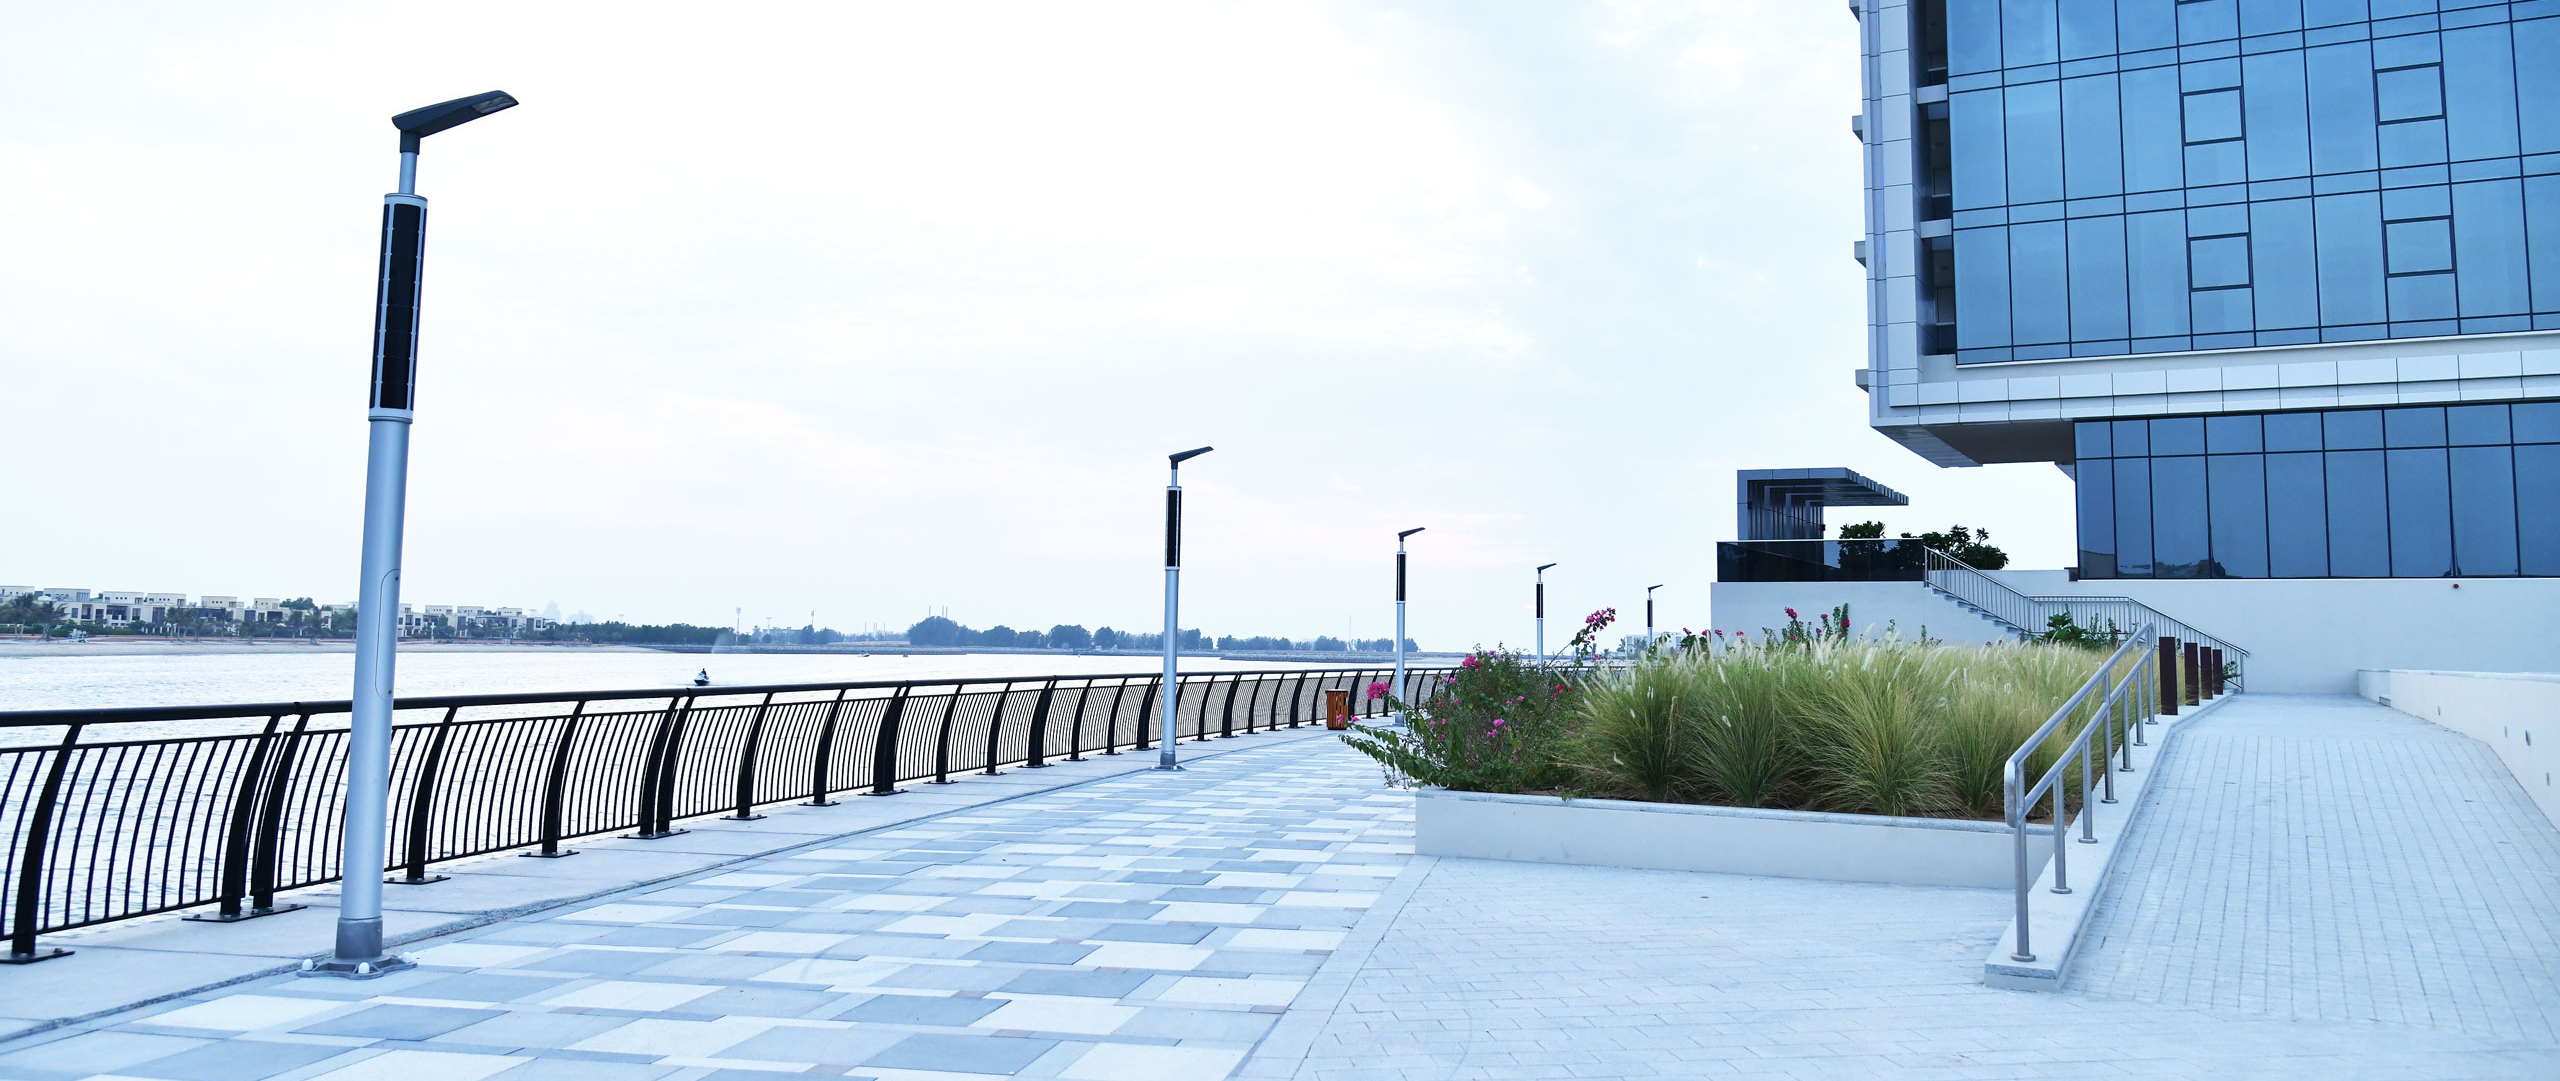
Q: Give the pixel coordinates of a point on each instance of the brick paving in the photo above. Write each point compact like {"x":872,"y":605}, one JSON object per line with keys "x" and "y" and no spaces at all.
{"x":1261,"y":915}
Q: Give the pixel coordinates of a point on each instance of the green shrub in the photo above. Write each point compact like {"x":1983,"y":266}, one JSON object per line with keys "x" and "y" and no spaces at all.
{"x":1638,"y":732}
{"x":1492,"y":726}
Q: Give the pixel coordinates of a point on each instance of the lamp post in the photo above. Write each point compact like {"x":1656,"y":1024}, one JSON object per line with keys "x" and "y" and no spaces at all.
{"x":1172,"y":605}
{"x":1399,"y":691}
{"x":1542,"y":614}
{"x":1648,"y":613}
{"x":391,"y":406}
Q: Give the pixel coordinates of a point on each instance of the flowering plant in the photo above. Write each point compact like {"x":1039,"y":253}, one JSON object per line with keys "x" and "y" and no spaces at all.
{"x":1492,"y":725}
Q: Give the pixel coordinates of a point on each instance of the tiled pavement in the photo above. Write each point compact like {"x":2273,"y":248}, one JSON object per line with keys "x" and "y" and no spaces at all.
{"x":1257,"y":914}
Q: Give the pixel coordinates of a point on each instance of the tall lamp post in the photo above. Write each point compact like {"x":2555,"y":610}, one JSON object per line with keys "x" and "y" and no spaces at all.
{"x":1648,"y":613}
{"x":1399,"y":718}
{"x":1172,"y":605}
{"x":1542,"y":614}
{"x":390,"y":407}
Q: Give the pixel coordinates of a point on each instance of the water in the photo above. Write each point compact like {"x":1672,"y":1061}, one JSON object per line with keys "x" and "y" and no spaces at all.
{"x":99,"y":679}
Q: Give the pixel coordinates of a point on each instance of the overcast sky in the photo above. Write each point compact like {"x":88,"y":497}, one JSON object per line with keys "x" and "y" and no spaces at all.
{"x":870,"y":309}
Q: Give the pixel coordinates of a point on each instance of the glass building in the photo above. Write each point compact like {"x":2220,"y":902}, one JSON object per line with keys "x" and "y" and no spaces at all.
{"x":2276,"y":281}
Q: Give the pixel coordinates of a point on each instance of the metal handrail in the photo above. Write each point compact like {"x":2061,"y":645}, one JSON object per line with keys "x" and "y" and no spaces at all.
{"x":2114,"y":726}
{"x":2028,"y":615}
{"x":102,"y":823}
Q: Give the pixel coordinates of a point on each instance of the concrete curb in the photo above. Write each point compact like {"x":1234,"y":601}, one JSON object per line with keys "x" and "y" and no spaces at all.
{"x":1283,"y":1049}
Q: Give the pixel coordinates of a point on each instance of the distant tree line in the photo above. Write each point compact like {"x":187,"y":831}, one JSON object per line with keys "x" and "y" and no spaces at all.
{"x":941,"y":631}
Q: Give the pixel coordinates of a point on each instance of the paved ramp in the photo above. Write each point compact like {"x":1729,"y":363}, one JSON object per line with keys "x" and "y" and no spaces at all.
{"x":2327,"y":858}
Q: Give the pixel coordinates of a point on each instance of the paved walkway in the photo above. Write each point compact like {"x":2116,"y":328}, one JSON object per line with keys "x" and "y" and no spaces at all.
{"x":2329,"y":858}
{"x":1259,"y":915}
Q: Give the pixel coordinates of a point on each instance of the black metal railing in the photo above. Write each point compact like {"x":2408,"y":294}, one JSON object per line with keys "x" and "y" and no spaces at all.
{"x":110,"y":814}
{"x":1852,"y":560}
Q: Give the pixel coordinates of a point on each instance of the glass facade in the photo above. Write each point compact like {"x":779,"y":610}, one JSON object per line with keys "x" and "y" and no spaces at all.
{"x":2132,"y":176}
{"x":2400,"y":492}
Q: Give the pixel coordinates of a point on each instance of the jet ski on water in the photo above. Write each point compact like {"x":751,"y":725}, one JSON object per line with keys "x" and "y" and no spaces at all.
{"x":702,"y":678}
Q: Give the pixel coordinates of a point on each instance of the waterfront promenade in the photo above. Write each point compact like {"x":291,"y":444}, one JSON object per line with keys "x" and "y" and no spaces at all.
{"x":1260,"y":914}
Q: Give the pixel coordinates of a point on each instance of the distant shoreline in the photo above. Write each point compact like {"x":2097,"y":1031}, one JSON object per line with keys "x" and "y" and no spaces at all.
{"x":154,"y":646}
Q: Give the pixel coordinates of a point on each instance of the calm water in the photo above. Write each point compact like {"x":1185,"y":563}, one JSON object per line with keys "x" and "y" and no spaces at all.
{"x":102,"y":680}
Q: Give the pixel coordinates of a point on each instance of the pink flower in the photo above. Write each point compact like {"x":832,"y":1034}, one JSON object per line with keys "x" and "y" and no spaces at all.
{"x":1470,"y":662}
{"x":1377,"y":690}
{"x":1791,"y":613}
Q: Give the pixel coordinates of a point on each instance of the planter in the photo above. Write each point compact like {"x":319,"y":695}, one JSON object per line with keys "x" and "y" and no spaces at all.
{"x":1725,"y":840}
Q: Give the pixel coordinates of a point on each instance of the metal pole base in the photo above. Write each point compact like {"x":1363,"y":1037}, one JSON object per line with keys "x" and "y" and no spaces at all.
{"x":741,"y":818}
{"x":357,"y":970}
{"x":1036,"y":765}
{"x":2022,"y":957}
{"x":1176,"y":769}
{"x":819,"y":803}
{"x":548,"y":855}
{"x":236,"y":917}
{"x":891,"y":792}
{"x":45,"y":953}
{"x":404,"y":880}
{"x":654,"y":836}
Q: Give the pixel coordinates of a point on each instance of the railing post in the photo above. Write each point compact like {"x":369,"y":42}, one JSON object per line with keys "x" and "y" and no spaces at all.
{"x":233,"y":878}
{"x":2088,"y":797}
{"x":2061,"y":830}
{"x":884,"y":748}
{"x":1034,"y":752}
{"x":555,"y":788}
{"x":2012,"y":780}
{"x":28,"y":911}
{"x":747,"y":764}
{"x":1297,"y":696}
{"x":1111,"y":718}
{"x":2168,"y":676}
{"x":1146,"y":709}
{"x":657,"y":776}
{"x":2192,"y":685}
{"x":995,"y":730}
{"x":1075,"y":724}
{"x":1227,"y":716}
{"x":2107,"y":745}
{"x":942,"y":742}
{"x":825,"y":753}
{"x":262,"y":872}
{"x":422,"y":801}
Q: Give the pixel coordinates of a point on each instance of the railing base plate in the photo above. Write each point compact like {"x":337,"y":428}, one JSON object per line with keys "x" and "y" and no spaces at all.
{"x":404,"y":880}
{"x":891,"y":792}
{"x":654,"y":836}
{"x":255,"y":913}
{"x":548,"y":855}
{"x":357,"y":970}
{"x":819,"y":803}
{"x":740,"y":818}
{"x":43,"y":953}
{"x":1036,"y":765}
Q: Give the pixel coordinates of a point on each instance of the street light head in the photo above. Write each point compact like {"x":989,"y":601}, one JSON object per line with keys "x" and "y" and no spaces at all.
{"x":1409,"y":532}
{"x":1655,"y":586}
{"x":1543,"y":566}
{"x":1187,"y":455}
{"x":417,"y":124}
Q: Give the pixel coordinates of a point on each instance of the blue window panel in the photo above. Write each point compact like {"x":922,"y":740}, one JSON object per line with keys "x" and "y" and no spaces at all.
{"x":2535,"y":422}
{"x":2181,"y":544}
{"x":2089,"y":439}
{"x":2088,"y":28}
{"x":1973,"y":36}
{"x":1982,"y":288}
{"x":2332,"y":12}
{"x":2484,"y":510}
{"x":2423,"y":246}
{"x":2476,"y":425}
{"x":2154,"y":134}
{"x":2221,"y":311}
{"x":2146,"y":24}
{"x":2269,"y":16}
{"x":2542,"y":240}
{"x":2284,"y":265}
{"x":2402,"y":49}
{"x":2216,"y":262}
{"x":2359,"y":515}
{"x":2340,"y":79}
{"x":2209,"y":75}
{"x":2238,"y":486}
{"x":2092,"y":138}
{"x":2297,"y":516}
{"x":2027,"y":33}
{"x":2233,"y":434}
{"x":2415,"y":142}
{"x":2538,"y":85}
{"x":2098,"y":279}
{"x":2218,"y":163}
{"x":2293,"y":431}
{"x":2177,"y":435}
{"x":2349,"y":233}
{"x":2409,"y":93}
{"x":2414,"y":426}
{"x":2402,"y":204}
{"x":2278,"y":126}
{"x":2039,"y":284}
{"x":2419,"y":297}
{"x":2133,"y":438}
{"x":2227,"y":220}
{"x":2035,"y":142}
{"x":2421,"y":514}
{"x":2537,"y":514}
{"x":2207,"y":20}
{"x":2489,"y":241}
{"x":2480,"y":93}
{"x":1976,"y":147}
{"x":2212,"y":115}
{"x":2097,"y":498}
{"x":2351,"y":429}
{"x":2156,"y":263}
{"x":2133,"y":517}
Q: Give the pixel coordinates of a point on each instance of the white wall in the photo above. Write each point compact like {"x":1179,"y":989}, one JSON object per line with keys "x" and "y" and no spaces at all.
{"x":1750,"y":607}
{"x":2516,"y":714}
{"x":2310,"y":635}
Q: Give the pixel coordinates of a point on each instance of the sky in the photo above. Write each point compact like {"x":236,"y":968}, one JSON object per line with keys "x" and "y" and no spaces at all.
{"x":867,"y":311}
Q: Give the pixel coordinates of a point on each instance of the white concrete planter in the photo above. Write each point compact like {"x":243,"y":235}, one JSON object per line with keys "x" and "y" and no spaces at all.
{"x":1728,"y":840}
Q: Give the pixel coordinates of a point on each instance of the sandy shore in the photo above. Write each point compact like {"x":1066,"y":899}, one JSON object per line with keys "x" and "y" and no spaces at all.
{"x":140,"y":646}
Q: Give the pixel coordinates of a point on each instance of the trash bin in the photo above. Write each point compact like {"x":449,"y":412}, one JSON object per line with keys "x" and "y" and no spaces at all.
{"x":1337,"y":708}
